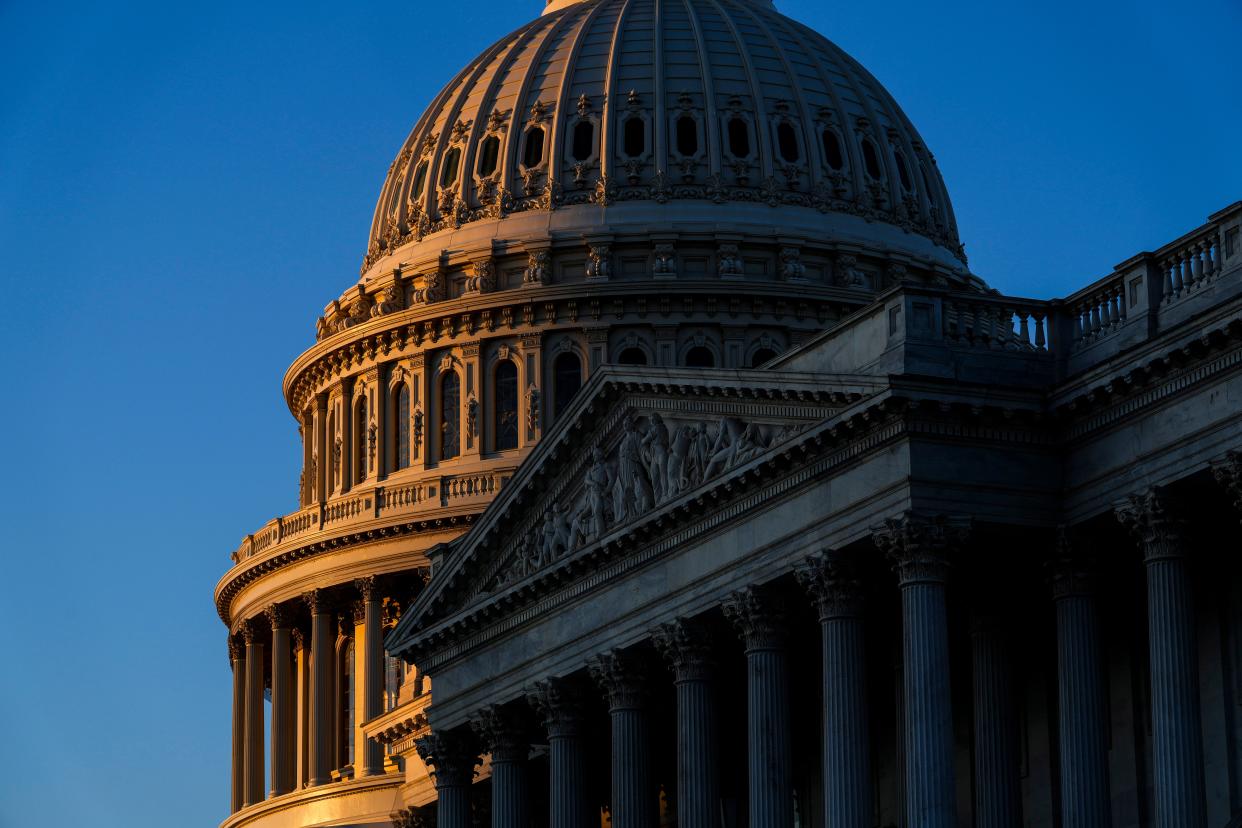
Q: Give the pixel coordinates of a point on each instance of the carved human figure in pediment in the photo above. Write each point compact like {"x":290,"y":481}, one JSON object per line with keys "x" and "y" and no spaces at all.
{"x":631,"y":470}
{"x":656,"y":450}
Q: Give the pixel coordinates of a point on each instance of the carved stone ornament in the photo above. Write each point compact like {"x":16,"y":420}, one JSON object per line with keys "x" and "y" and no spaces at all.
{"x":664,"y":262}
{"x":833,"y":583}
{"x":390,"y":301}
{"x":653,"y":463}
{"x":623,"y":678}
{"x":728,"y":261}
{"x":279,"y":616}
{"x":538,"y":268}
{"x":318,"y":602}
{"x":483,"y":280}
{"x":1228,"y":473}
{"x":414,"y":817}
{"x":368,"y":587}
{"x":791,"y":264}
{"x":1071,"y":572}
{"x":417,"y":435}
{"x":472,"y":417}
{"x":299,"y":639}
{"x":532,"y":408}
{"x":921,"y":546}
{"x":848,"y":272}
{"x":236,"y":651}
{"x":599,"y":264}
{"x":559,"y":703}
{"x":758,"y":618}
{"x":452,"y":757}
{"x":687,"y":646}
{"x":1149,"y":518}
{"x":501,"y":733}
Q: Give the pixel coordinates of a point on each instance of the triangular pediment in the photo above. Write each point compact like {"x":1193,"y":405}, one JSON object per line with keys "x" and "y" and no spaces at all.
{"x":635,"y":442}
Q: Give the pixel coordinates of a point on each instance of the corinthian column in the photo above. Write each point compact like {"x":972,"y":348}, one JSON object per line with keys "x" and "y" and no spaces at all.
{"x":1177,"y":737}
{"x":253,"y":792}
{"x":237,"y":658}
{"x":920,"y":548}
{"x":503,"y":735}
{"x":452,"y":756}
{"x":624,"y":680}
{"x":998,"y":793}
{"x":282,"y":702}
{"x":559,"y":704}
{"x":762,"y":628}
{"x":834,"y":585}
{"x":321,"y":675}
{"x":1228,"y":472}
{"x":370,"y":681}
{"x":687,"y":648}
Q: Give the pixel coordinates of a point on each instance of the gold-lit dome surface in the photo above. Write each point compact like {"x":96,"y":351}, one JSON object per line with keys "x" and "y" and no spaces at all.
{"x":697,"y":110}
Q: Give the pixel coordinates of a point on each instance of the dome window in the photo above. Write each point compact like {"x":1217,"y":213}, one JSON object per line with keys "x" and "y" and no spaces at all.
{"x":787,"y":142}
{"x":761,"y":356}
{"x":489,"y":151}
{"x":634,"y":139}
{"x":700,"y":357}
{"x":360,"y":440}
{"x":566,"y":379}
{"x":903,"y":173}
{"x":632,"y":356}
{"x":739,"y":138}
{"x":832,"y":150}
{"x":420,"y":179}
{"x":506,"y":424}
{"x":871,"y":160}
{"x":584,"y":140}
{"x":450,"y":416}
{"x":403,"y":427}
{"x":448,"y":173}
{"x":532,"y":151}
{"x":687,"y":136}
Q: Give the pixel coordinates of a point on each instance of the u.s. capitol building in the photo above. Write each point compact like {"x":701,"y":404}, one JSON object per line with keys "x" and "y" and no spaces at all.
{"x":668,"y":466}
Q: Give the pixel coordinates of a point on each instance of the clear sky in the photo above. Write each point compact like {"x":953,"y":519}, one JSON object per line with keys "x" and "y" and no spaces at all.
{"x":184,"y":186}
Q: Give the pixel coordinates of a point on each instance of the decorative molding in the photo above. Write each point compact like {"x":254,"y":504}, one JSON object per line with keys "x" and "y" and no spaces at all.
{"x":921,"y":546}
{"x":1149,"y":516}
{"x":686,"y":645}
{"x":559,"y":703}
{"x":834,"y":584}
{"x":623,"y":677}
{"x":757,"y":617}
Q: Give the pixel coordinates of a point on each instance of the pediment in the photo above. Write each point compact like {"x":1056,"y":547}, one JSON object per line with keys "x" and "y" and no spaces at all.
{"x":636,"y":442}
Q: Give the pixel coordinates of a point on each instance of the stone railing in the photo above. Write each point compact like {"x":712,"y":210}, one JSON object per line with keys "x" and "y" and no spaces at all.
{"x":370,"y":503}
{"x":996,"y":322}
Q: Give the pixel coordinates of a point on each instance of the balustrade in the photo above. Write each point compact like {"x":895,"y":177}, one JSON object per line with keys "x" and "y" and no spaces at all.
{"x":997,"y":323}
{"x":1190,"y":265}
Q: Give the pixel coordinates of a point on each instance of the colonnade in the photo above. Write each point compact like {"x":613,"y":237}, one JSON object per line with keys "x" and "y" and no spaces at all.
{"x":296,"y":650}
{"x":921,"y":550}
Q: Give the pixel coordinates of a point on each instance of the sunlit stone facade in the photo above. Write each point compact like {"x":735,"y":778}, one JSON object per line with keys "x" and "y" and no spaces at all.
{"x":667,"y":432}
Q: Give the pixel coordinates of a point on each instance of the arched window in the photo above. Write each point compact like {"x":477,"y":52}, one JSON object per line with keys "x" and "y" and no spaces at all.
{"x":402,"y":424}
{"x":566,"y":380}
{"x":700,"y":357}
{"x":489,"y":151}
{"x":632,"y":356}
{"x":450,"y":416}
{"x":832,"y":150}
{"x":687,"y":136}
{"x":761,"y":356}
{"x":532,"y":148}
{"x":871,"y":160}
{"x":506,"y":396}
{"x":584,"y":140}
{"x":903,"y":174}
{"x":420,"y":179}
{"x":634,"y":137}
{"x":739,"y":138}
{"x":360,"y":439}
{"x":787,"y":141}
{"x":448,"y":173}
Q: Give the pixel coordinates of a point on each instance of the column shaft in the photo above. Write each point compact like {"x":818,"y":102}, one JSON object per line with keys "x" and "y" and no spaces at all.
{"x":282,"y":701}
{"x":998,"y":795}
{"x":323,"y":661}
{"x":453,"y":806}
{"x":238,"y":795}
{"x":1083,"y":727}
{"x":567,"y":802}
{"x":1177,"y":740}
{"x":509,"y":794}
{"x":301,"y":725}
{"x":930,"y":788}
{"x":633,"y":794}
{"x":254,"y":721}
{"x":847,"y":743}
{"x":372,"y":690}
{"x":697,"y":792}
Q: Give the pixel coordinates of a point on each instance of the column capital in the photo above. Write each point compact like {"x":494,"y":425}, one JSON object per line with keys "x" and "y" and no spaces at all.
{"x":368,"y":587}
{"x":921,"y":546}
{"x":1149,"y":516}
{"x":501,"y":733}
{"x":236,"y":651}
{"x":251,"y":630}
{"x":279,"y":616}
{"x":318,"y":601}
{"x":1228,"y":473}
{"x":299,"y":639}
{"x":687,"y":646}
{"x":1071,"y":572}
{"x":833,"y":582}
{"x":391,"y":613}
{"x":558,"y":701}
{"x":358,"y":610}
{"x":622,"y":676}
{"x":414,"y":817}
{"x":452,"y":756}
{"x":758,"y":619}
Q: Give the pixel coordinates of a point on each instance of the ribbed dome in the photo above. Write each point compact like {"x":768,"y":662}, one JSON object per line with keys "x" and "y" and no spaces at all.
{"x":708,"y":108}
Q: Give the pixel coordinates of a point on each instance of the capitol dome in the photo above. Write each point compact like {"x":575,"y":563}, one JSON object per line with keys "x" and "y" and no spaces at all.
{"x":621,"y":115}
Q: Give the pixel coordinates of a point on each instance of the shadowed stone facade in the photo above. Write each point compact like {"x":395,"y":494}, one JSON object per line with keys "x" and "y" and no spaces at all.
{"x":669,"y":435}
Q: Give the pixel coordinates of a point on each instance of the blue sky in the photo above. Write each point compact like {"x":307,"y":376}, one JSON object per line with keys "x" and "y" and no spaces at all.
{"x":184,"y":186}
